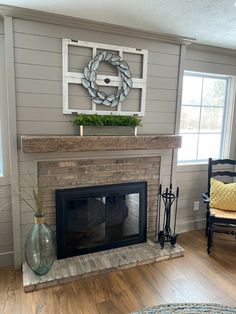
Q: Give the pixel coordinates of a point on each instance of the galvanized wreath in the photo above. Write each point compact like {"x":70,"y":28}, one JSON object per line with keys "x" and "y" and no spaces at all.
{"x":90,"y":75}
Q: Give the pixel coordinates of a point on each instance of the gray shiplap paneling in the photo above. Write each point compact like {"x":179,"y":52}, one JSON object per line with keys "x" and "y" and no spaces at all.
{"x":160,"y":95}
{"x":5,"y":228}
{"x":41,"y":72}
{"x":208,"y":67}
{"x":1,"y":26}
{"x":57,"y":31}
{"x":41,"y":57}
{"x":59,"y":128}
{"x":38,"y":114}
{"x":6,"y":216}
{"x":54,"y":86}
{"x":50,"y":59}
{"x":34,"y":56}
{"x":6,"y":240}
{"x":55,"y":101}
{"x":209,"y":57}
{"x":162,"y":71}
{"x":205,"y":61}
{"x":33,"y":71}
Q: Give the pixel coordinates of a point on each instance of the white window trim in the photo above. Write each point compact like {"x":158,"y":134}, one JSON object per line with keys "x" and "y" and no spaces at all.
{"x":5,"y":179}
{"x":229,"y":145}
{"x":230,"y":119}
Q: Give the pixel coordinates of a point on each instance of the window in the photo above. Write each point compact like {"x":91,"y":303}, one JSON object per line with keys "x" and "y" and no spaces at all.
{"x":203,"y":117}
{"x":4,"y":137}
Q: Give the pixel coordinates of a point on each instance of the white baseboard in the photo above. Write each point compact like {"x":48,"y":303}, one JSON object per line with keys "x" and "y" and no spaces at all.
{"x":6,"y":259}
{"x":190,"y":225}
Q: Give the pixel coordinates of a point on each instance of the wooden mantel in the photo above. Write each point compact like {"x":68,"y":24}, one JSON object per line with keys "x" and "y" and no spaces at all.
{"x":47,"y":144}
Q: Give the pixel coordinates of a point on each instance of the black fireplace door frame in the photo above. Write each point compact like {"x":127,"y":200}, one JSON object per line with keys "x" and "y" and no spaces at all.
{"x":65,"y":195}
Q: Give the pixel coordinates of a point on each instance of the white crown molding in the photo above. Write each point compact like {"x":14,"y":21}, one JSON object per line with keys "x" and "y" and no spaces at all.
{"x":28,"y":14}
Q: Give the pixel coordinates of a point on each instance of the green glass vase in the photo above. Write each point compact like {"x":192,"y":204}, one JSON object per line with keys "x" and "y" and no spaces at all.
{"x":40,"y":247}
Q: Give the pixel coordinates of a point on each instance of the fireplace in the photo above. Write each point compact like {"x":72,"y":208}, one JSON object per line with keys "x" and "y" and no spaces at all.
{"x":77,"y":173}
{"x":81,"y":171}
{"x":95,"y":218}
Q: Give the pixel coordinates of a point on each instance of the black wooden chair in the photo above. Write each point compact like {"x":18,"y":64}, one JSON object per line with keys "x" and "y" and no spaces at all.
{"x":219,"y":218}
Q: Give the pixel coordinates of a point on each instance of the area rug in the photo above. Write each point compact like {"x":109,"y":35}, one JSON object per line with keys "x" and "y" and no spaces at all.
{"x":188,"y":308}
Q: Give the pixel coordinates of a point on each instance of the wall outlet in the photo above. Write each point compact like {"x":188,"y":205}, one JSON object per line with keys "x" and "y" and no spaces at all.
{"x":196,"y":206}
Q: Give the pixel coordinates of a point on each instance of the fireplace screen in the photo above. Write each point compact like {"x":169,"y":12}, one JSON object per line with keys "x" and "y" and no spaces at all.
{"x":98,"y":218}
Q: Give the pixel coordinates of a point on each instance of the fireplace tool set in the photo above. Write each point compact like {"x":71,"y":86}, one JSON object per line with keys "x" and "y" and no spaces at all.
{"x":168,"y":197}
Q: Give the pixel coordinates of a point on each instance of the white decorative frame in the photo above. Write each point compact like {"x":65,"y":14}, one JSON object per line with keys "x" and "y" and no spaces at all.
{"x":75,"y":78}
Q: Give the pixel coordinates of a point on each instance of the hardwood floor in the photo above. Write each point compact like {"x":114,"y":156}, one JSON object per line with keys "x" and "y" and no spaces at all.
{"x":196,"y":277}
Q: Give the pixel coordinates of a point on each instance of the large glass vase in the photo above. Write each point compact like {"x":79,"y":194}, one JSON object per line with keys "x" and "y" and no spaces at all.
{"x":40,"y":247}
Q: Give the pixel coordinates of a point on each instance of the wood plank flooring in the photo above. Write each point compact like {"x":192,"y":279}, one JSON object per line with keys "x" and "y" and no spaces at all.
{"x":196,"y":277}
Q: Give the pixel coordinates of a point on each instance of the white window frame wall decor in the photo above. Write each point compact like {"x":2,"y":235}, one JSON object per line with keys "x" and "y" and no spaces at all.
{"x":116,"y":81}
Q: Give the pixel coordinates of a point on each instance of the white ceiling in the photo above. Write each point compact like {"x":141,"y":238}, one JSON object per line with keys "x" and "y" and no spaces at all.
{"x":211,"y":22}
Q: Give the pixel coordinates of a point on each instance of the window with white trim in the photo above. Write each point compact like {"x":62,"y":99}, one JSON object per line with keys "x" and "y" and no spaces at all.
{"x":4,"y":137}
{"x":205,"y":102}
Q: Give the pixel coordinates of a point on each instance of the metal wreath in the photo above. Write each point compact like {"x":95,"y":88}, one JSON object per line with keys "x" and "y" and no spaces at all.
{"x":90,"y":76}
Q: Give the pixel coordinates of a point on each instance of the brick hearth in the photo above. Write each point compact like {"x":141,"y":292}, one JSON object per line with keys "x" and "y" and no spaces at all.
{"x":77,"y":267}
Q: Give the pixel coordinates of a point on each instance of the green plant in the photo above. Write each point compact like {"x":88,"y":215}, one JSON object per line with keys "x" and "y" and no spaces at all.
{"x":103,"y":120}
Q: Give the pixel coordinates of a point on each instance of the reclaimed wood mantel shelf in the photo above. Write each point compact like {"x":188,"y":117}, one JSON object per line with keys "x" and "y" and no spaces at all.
{"x":46,"y":144}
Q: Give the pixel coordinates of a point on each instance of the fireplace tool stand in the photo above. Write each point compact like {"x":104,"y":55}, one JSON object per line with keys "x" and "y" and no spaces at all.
{"x":168,"y":197}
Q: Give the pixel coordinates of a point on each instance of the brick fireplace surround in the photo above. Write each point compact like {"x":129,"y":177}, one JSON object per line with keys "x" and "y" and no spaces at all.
{"x":77,"y":172}
{"x":63,"y":174}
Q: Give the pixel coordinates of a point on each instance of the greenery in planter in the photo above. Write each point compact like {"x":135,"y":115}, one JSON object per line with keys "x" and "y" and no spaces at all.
{"x":104,"y":120}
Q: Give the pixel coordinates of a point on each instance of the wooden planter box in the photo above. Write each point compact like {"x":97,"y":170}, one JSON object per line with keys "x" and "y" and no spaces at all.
{"x":108,"y":130}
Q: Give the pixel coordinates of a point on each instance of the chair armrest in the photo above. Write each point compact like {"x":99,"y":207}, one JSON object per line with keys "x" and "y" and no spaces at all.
{"x":206,"y":198}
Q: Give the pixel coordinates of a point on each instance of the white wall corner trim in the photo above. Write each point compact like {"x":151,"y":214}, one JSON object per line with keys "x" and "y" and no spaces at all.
{"x":178,"y":110}
{"x":11,"y":104}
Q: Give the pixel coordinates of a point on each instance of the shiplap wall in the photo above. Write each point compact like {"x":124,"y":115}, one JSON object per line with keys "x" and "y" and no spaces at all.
{"x":38,"y":71}
{"x":39,"y":87}
{"x":192,"y":179}
{"x":6,"y":238}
